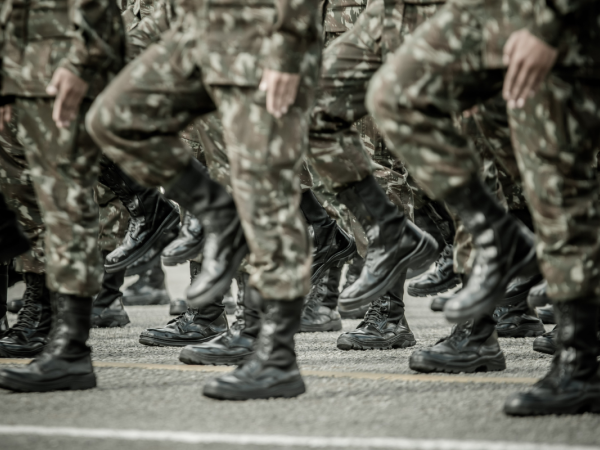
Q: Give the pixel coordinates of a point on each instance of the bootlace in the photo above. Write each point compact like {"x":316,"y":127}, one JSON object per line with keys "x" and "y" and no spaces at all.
{"x":374,"y":314}
{"x":28,"y":314}
{"x":458,"y":333}
{"x":181,"y":316}
{"x":446,"y":254}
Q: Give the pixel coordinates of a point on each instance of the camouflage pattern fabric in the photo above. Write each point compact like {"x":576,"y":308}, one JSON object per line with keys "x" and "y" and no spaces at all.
{"x":339,"y":147}
{"x":64,"y":169}
{"x":86,"y":38}
{"x":416,"y":92}
{"x":17,"y":187}
{"x":164,"y":89}
{"x":113,"y":218}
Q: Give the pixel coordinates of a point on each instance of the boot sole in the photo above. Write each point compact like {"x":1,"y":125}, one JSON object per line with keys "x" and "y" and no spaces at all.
{"x":158,"y":342}
{"x":338,"y":258}
{"x":68,"y":383}
{"x":290,"y":389}
{"x":183,"y":257}
{"x":169,"y":222}
{"x":484,"y":364}
{"x":439,"y":289}
{"x":522,"y":332}
{"x":547,"y":318}
{"x":138,"y":268}
{"x":20,"y":353}
{"x":544,"y":348}
{"x":114,"y":323}
{"x":484,"y":307}
{"x":418,"y":258}
{"x":142,"y":300}
{"x":402,"y":341}
{"x":192,"y":358}
{"x":435,"y":308}
{"x":219,"y":288}
{"x":334,"y":325}
{"x":591,"y":405}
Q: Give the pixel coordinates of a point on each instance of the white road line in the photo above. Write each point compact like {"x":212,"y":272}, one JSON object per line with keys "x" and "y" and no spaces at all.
{"x":280,"y":440}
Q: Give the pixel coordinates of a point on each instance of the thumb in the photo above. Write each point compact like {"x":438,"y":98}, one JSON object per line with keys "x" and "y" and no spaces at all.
{"x":53,"y":87}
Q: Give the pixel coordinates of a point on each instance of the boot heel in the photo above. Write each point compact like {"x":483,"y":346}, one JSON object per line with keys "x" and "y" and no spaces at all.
{"x":496,"y":364}
{"x":82,"y":382}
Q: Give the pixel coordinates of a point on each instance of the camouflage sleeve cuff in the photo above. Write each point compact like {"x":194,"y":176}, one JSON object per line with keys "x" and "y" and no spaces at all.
{"x":286,"y":53}
{"x":547,"y":25}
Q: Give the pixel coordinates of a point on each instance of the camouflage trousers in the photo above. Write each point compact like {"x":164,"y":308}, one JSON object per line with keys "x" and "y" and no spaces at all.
{"x":64,"y":166}
{"x":137,"y":120}
{"x":15,"y":182}
{"x":338,"y":151}
{"x":414,"y":96}
{"x":18,"y":190}
{"x":488,"y":131}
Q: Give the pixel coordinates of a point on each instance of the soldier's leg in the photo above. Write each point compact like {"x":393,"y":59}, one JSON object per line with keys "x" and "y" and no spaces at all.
{"x":16,"y":184}
{"x":337,"y":153}
{"x":413,"y":98}
{"x":561,"y":186}
{"x":64,"y":167}
{"x":28,"y":336}
{"x":137,"y":121}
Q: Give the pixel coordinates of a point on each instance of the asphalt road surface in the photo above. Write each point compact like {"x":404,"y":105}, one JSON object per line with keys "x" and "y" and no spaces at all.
{"x":147,"y":400}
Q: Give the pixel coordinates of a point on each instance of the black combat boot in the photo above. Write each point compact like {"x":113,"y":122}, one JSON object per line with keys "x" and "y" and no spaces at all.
{"x":188,"y":243}
{"x":225,"y":244}
{"x":149,"y":216}
{"x":440,"y":280}
{"x":13,"y":240}
{"x":504,"y":249}
{"x":14,"y":305}
{"x":537,"y":295}
{"x":29,"y":335}
{"x":192,"y":327}
{"x":395,"y":243}
{"x":546,"y":315}
{"x":149,"y":289}
{"x":177,"y":307}
{"x":320,"y":306}
{"x":236,"y":344}
{"x":518,"y":321}
{"x":472,"y":346}
{"x":107,"y":310}
{"x":384,"y":325}
{"x":546,"y":343}
{"x":272,"y":370}
{"x":572,"y":385}
{"x":3,"y":298}
{"x":332,"y":246}
{"x":438,"y":302}
{"x":152,"y":257}
{"x":354,"y":269}
{"x":65,"y":363}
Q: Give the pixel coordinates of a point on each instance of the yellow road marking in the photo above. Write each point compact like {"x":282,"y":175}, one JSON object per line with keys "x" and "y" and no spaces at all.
{"x":434,"y":378}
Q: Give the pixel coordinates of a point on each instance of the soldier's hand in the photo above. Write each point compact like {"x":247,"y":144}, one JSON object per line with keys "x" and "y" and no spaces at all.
{"x":529,"y":60}
{"x":5,"y":115}
{"x":281,"y":89}
{"x":69,"y":90}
